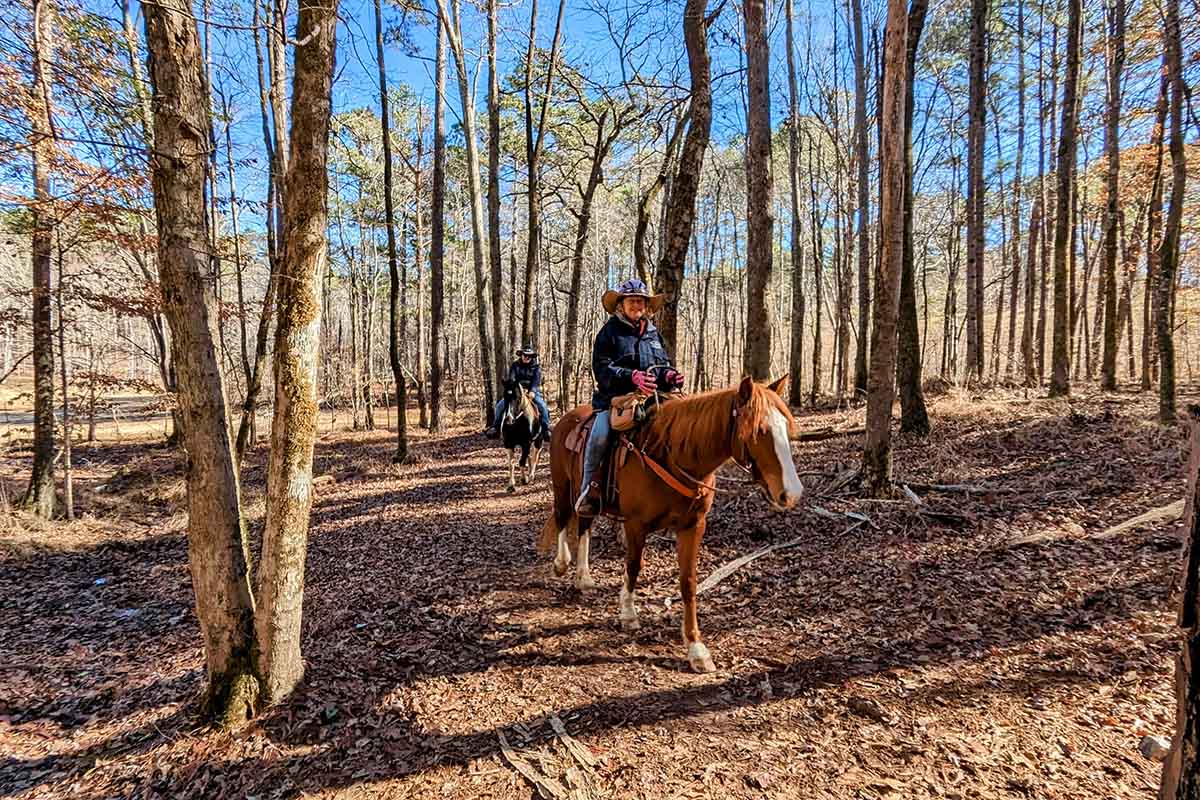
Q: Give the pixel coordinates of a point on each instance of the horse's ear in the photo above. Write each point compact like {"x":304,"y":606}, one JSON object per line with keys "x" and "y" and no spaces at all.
{"x":780,"y":385}
{"x":745,"y":390}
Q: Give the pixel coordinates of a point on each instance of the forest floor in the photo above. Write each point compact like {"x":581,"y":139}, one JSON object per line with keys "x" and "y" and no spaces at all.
{"x":992,"y":644}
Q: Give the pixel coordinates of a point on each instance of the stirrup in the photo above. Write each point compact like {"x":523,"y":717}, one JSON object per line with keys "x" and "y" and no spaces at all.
{"x":588,"y":503}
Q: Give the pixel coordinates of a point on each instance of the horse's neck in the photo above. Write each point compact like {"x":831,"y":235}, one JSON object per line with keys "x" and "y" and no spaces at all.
{"x":708,"y":445}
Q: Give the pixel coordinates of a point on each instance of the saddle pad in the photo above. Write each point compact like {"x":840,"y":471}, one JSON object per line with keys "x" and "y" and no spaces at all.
{"x":577,"y":439}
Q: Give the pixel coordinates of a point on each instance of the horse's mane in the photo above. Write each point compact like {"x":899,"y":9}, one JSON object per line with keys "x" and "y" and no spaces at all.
{"x":688,"y":427}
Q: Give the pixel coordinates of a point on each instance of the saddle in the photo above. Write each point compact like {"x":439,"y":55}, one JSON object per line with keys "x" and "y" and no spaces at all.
{"x":618,"y":452}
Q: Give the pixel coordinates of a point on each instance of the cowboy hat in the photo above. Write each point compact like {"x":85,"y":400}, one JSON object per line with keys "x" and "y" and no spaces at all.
{"x":631,"y":288}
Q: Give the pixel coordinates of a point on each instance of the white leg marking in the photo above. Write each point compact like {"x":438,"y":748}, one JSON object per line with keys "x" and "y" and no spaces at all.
{"x":583,"y":575}
{"x":628,"y":614}
{"x":699,"y":658}
{"x":783,"y":451}
{"x":512,"y":482}
{"x":562,"y":561}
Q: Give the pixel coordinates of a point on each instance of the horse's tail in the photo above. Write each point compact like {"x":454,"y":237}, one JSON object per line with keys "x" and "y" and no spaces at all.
{"x":548,"y":539}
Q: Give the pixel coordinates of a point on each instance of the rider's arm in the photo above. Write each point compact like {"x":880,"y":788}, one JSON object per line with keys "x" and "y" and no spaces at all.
{"x":613,"y":380}
{"x":536,"y":381}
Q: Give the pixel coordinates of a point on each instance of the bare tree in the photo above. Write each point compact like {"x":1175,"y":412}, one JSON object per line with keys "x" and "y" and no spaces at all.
{"x":297,"y":339}
{"x":1168,"y":258}
{"x":914,"y":418}
{"x":217,"y":545}
{"x":796,"y":355}
{"x":756,"y":360}
{"x":1112,"y":147}
{"x":1060,"y":364}
{"x":39,"y":496}
{"x":681,"y":203}
{"x":864,"y":203}
{"x":877,"y":449}
{"x":448,"y":12}
{"x":395,"y":308}
{"x":975,"y":189}
{"x":535,"y":136}
{"x":437,"y":237}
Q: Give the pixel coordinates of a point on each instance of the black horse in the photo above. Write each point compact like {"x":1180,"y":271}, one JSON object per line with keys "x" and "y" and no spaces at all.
{"x":521,"y":427}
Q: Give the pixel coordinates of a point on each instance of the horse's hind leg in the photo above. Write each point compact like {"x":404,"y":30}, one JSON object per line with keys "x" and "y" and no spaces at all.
{"x":583,"y":574}
{"x":533,"y":463}
{"x":687,"y":548}
{"x":562,"y":561}
{"x":635,"y":541}
{"x":525,"y":476}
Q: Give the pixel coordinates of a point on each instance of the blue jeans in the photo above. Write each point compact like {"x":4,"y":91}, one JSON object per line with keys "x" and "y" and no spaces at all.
{"x":597,"y":446}
{"x":538,"y":401}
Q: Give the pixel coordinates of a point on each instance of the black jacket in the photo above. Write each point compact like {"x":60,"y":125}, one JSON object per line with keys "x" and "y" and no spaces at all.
{"x":528,"y":375}
{"x":620,"y":349}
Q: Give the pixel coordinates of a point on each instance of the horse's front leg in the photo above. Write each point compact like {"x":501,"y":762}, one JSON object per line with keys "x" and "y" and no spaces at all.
{"x":525,"y":476}
{"x":687,"y":548}
{"x":512,"y":475}
{"x":635,"y":542}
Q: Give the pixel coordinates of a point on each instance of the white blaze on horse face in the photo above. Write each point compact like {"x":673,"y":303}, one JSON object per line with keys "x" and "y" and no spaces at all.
{"x":783,"y":451}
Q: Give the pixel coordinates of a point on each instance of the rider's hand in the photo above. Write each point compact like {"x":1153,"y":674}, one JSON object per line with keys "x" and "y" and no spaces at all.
{"x":643,"y":382}
{"x":673,"y":378}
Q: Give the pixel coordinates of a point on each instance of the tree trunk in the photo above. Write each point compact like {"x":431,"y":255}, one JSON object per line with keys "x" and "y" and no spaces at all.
{"x":818,"y":253}
{"x":913,"y":416}
{"x":39,"y":497}
{"x":419,"y":262}
{"x":1018,"y":178}
{"x":437,"y":240}
{"x":975,"y":190}
{"x":1060,"y":367}
{"x":395,"y":307}
{"x":451,"y":25}
{"x":493,"y":192}
{"x":217,"y":544}
{"x":756,"y":359}
{"x":1031,"y":283}
{"x":297,"y":337}
{"x":1153,"y":226}
{"x":864,"y":204}
{"x":1108,"y":369}
{"x":640,"y":258}
{"x":681,"y":202}
{"x":796,"y":356}
{"x":534,"y":136}
{"x":1168,"y":260}
{"x":68,"y":485}
{"x":877,"y":447}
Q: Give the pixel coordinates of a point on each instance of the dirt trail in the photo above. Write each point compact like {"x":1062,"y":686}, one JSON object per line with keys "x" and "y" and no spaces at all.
{"x":978,"y":646}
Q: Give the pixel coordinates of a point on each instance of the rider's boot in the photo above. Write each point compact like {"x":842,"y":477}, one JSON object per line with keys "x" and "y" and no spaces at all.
{"x":588,"y":503}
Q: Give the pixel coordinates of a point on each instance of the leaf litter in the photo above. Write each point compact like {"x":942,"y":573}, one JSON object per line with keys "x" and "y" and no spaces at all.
{"x":1011,"y":639}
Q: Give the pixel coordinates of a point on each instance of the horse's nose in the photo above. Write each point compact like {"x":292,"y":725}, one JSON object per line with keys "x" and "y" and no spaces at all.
{"x":787,"y":499}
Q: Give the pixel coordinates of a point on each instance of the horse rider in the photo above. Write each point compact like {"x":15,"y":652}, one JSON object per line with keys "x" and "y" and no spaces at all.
{"x":626,"y":349}
{"x":526,"y":371}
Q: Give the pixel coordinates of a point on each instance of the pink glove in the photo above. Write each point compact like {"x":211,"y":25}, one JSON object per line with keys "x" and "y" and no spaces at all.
{"x":674,"y":378}
{"x":643,"y":382}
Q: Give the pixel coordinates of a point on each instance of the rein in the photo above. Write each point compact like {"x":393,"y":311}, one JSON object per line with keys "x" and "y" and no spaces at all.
{"x":699,"y":489}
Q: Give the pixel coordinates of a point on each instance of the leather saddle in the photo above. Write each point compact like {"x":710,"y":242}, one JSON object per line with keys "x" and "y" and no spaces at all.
{"x":614,"y":459}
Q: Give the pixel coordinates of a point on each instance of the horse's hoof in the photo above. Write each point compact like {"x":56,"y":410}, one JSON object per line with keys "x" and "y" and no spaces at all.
{"x":560,"y":567}
{"x":511,"y":488}
{"x":524,"y":480}
{"x":584,"y":583}
{"x":699,"y":658}
{"x":630,"y":624}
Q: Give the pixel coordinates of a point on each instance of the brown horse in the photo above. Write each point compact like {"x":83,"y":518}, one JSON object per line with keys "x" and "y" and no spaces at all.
{"x":667,"y":482}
